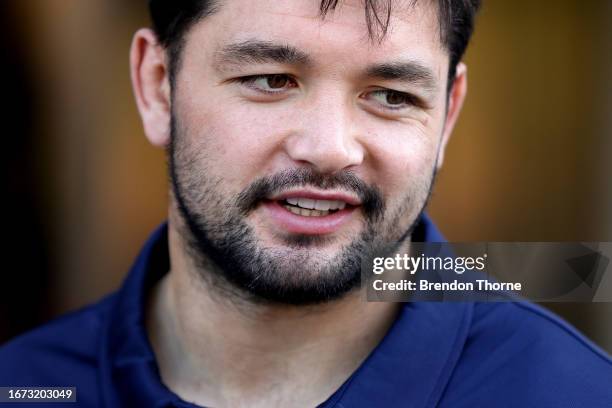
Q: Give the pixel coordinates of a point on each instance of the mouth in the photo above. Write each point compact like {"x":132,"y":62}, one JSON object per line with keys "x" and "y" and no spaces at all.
{"x":307,"y":207}
{"x":311,"y":213}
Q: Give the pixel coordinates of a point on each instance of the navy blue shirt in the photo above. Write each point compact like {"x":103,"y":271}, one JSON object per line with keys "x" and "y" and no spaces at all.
{"x":511,"y":354}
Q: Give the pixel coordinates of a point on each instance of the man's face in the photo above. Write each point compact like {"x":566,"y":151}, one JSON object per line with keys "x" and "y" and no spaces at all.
{"x":299,"y":144}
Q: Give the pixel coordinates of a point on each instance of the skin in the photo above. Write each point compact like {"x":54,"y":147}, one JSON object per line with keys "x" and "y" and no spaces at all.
{"x":219,"y":351}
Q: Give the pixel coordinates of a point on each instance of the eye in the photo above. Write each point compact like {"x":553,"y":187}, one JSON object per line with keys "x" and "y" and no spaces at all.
{"x":273,"y":83}
{"x":391,"y":99}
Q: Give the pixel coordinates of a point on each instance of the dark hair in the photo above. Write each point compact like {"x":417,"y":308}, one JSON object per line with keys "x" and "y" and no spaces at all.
{"x":172,"y":19}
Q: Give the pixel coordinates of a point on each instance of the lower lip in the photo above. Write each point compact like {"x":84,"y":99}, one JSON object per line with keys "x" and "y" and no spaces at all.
{"x":298,"y":224}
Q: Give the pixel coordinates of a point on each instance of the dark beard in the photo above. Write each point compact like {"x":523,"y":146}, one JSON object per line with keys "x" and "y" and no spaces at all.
{"x":226,"y":249}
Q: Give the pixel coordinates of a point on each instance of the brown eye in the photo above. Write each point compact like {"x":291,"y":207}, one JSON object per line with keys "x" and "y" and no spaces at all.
{"x":271,"y":84}
{"x":395,"y":98}
{"x":277,"y":81}
{"x":391,"y":99}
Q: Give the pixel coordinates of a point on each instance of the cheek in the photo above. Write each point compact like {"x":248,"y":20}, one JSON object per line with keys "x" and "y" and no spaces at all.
{"x":237,"y":140}
{"x":406,"y":163}
{"x":404,"y":158}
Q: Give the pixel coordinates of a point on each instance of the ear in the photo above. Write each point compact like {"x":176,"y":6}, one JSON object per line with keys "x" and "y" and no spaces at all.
{"x":151,"y":86}
{"x":455,"y":103}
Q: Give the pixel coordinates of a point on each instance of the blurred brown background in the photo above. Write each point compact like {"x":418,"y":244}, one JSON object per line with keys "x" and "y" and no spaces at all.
{"x":530,"y":160}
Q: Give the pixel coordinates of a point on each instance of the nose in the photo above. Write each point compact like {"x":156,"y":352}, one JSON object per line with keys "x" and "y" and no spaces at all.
{"x":327,"y":138}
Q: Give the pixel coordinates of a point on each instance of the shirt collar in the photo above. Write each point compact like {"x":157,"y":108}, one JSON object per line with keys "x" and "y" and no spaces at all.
{"x":410,"y":366}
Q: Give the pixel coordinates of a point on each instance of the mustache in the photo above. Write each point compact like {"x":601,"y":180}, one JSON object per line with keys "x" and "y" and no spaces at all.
{"x":372,"y":201}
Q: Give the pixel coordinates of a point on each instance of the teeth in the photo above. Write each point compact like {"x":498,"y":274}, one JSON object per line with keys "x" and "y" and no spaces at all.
{"x":321,"y":205}
{"x":306,"y":203}
{"x":305,"y":212}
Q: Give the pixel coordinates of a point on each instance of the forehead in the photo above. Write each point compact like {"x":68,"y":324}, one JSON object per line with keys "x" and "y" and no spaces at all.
{"x":341,"y":36}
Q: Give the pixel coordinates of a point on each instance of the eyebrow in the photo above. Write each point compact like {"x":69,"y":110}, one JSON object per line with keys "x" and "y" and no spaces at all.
{"x":409,"y":72}
{"x":255,"y":51}
{"x":258,"y":51}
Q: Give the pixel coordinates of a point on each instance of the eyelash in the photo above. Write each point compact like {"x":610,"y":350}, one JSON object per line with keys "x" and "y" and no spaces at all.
{"x":410,"y":100}
{"x":249,"y":81}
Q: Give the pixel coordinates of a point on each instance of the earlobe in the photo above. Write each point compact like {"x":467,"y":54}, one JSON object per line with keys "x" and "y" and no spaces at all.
{"x":151,"y":86}
{"x":455,"y":104}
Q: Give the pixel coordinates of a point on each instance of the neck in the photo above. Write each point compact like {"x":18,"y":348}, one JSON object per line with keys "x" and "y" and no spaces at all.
{"x":216,"y":352}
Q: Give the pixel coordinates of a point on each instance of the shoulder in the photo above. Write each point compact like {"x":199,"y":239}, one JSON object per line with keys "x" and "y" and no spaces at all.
{"x":63,"y":352}
{"x":518,"y":354}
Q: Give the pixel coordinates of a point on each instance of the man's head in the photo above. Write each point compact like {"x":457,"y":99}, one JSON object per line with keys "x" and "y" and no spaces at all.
{"x":300,"y":134}
{"x":172,"y":19}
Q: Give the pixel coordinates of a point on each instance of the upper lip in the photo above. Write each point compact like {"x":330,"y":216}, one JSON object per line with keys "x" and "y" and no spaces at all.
{"x":318,"y":195}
